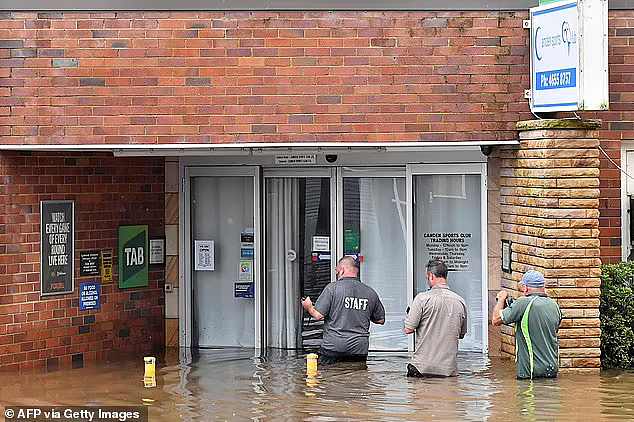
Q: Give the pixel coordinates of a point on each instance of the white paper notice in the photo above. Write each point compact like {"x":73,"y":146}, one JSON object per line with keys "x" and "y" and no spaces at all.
{"x":204,"y":255}
{"x":321,"y":244}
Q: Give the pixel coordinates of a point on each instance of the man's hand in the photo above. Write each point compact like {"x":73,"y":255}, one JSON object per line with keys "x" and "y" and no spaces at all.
{"x":501,"y":296}
{"x":496,"y":317}
{"x":308,"y":305}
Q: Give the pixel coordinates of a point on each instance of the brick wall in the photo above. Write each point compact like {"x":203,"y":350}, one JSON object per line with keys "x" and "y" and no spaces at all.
{"x":208,"y":77}
{"x":166,"y":77}
{"x":212,"y":77}
{"x":51,"y":331}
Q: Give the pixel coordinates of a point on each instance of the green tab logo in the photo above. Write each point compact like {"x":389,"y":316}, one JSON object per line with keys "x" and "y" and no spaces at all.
{"x":134,"y":255}
{"x":133,"y":247}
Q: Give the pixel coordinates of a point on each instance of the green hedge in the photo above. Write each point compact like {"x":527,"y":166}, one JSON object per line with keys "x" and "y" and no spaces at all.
{"x":617,"y":315}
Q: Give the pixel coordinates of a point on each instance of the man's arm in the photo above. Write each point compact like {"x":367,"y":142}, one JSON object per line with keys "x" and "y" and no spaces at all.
{"x":308,"y":305}
{"x":496,"y":319}
{"x":463,"y":328}
{"x":412,"y":319}
{"x":379,"y":311}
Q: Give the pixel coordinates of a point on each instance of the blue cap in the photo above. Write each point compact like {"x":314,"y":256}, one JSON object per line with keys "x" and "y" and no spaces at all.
{"x":533,"y":278}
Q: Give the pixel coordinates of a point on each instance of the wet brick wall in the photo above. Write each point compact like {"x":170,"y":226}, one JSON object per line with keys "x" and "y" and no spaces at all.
{"x":171,"y":77}
{"x":51,"y":331}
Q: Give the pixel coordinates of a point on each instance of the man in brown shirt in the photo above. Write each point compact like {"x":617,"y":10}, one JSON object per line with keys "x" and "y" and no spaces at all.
{"x":439,"y":318}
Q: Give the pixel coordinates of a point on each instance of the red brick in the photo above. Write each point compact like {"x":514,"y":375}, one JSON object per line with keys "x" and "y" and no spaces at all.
{"x":41,"y":323}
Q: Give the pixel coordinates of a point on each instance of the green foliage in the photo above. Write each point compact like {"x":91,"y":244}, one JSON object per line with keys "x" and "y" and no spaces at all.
{"x":617,"y":315}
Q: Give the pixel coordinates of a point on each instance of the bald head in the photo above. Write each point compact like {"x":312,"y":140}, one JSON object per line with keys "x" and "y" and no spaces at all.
{"x":347,"y":267}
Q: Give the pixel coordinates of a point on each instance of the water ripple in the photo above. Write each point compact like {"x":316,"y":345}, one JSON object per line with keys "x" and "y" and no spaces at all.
{"x":233,"y":384}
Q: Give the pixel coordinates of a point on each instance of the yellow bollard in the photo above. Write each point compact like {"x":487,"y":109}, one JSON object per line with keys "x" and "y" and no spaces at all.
{"x":311,"y":364}
{"x":149,"y":366}
{"x":149,"y":382}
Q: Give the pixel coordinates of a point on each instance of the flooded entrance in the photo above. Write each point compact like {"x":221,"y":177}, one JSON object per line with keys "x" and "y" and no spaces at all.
{"x":229,"y":384}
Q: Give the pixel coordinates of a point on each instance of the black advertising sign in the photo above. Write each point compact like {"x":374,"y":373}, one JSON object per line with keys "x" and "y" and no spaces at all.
{"x":57,"y":246}
{"x":89,"y":263}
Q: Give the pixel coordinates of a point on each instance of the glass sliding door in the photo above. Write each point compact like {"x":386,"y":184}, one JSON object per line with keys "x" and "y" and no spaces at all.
{"x":448,"y":225}
{"x":298,"y":257}
{"x":222,"y":252}
{"x":374,"y":231}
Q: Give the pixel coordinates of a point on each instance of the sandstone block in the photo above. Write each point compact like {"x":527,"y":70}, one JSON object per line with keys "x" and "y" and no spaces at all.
{"x":584,"y":162}
{"x":571,"y":333}
{"x":507,"y":348}
{"x":587,"y":243}
{"x":564,"y":213}
{"x":592,"y":332}
{"x":571,"y":313}
{"x":580,"y":342}
{"x":578,"y":303}
{"x":565,"y":363}
{"x":582,"y":371}
{"x":585,"y":352}
{"x":572,"y":153}
{"x":586,"y":182}
{"x":586,"y":322}
{"x":568,"y":292}
{"x":586,"y":362}
{"x":578,"y":203}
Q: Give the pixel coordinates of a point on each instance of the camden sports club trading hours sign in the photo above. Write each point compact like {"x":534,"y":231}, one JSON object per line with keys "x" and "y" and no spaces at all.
{"x":57,"y":228}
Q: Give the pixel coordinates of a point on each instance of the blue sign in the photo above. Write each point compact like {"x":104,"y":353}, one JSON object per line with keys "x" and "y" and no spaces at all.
{"x":555,"y":57}
{"x":553,"y":79}
{"x":246,"y":253}
{"x":323,"y":257}
{"x":89,"y":295}
{"x":243,"y":290}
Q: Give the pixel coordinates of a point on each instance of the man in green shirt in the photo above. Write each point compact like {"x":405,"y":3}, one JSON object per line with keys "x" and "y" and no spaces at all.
{"x":537,"y":319}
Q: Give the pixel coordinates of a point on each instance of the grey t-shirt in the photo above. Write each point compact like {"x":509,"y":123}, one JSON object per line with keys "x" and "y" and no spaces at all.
{"x":348,"y":306}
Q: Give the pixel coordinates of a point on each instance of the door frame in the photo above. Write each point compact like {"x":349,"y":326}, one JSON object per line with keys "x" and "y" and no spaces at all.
{"x":457,"y":169}
{"x":379,"y":172}
{"x":192,"y":168}
{"x":185,"y":267}
{"x":293,"y":172}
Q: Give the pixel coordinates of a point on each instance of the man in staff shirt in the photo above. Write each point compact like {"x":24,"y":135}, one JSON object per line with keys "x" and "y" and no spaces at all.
{"x":347,"y":306}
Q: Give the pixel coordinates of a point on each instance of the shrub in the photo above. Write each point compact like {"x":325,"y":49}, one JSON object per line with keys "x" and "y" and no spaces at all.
{"x":617,"y":315}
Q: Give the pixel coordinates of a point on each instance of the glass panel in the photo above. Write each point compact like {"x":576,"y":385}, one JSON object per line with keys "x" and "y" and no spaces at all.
{"x":447,"y":226}
{"x":222,"y":211}
{"x":297,"y":263}
{"x":374,"y":219}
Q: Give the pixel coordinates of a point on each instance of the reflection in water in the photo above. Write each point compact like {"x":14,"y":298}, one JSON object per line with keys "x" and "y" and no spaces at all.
{"x":232,"y":384}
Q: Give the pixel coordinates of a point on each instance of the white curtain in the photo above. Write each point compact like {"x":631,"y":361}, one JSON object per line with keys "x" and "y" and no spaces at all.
{"x":450,"y":204}
{"x":282,"y":275}
{"x":382,"y":223}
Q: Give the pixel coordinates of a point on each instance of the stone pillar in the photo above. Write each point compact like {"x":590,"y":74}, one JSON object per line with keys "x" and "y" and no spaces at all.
{"x":549,"y":192}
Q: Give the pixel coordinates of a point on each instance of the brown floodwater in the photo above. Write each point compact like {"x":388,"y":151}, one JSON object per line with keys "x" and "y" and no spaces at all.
{"x":231,"y":384}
